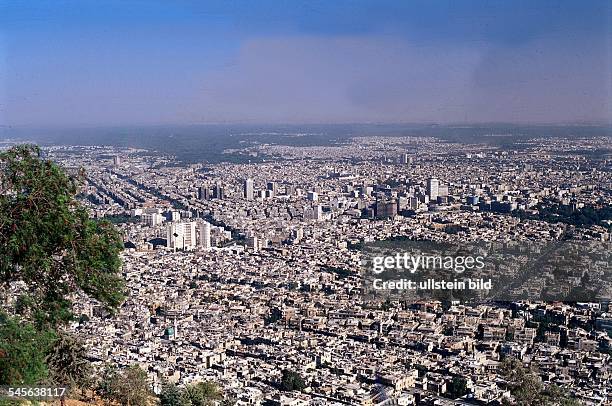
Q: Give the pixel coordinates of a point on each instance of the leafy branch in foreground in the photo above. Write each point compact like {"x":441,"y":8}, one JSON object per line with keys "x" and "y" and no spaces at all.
{"x":48,"y":241}
{"x":23,"y":350}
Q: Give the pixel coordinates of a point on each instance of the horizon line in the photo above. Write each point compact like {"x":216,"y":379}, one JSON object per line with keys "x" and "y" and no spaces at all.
{"x":294,"y":124}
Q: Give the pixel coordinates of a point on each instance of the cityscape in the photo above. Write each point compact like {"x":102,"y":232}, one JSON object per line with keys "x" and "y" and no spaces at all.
{"x":237,"y":272}
{"x":266,"y":203}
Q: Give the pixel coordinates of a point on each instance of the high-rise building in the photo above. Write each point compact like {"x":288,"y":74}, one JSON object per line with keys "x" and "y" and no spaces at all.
{"x":152,"y":219}
{"x":116,"y":160}
{"x":203,"y":193}
{"x":248,"y":189}
{"x":366,"y":191}
{"x":181,"y":235}
{"x":298,"y":234}
{"x":405,"y":159}
{"x":272,"y":186}
{"x":384,"y":209}
{"x":313,"y":196}
{"x":205,"y":235}
{"x":218,"y":191}
{"x":443,"y":190}
{"x":252,"y":243}
{"x":432,"y":189}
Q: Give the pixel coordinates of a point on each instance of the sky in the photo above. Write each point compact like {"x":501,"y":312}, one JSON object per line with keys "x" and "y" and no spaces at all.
{"x":147,"y":62}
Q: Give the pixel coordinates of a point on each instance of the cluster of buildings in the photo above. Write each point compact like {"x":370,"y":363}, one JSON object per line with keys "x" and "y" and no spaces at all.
{"x":238,"y":272}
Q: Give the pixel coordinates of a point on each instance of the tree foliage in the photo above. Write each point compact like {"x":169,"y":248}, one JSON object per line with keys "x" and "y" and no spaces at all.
{"x":291,"y":381}
{"x":127,"y":387}
{"x":199,"y":394}
{"x":48,"y":241}
{"x":68,"y":363}
{"x":23,"y":349}
{"x":457,"y":387}
{"x":31,"y":356}
{"x":527,"y":388}
{"x":203,"y":393}
{"x":172,"y":395}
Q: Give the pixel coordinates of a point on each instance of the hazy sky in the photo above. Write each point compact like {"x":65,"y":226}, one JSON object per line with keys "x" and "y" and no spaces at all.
{"x":73,"y":63}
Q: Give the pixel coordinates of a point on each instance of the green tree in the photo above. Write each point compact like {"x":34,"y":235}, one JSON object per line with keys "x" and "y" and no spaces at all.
{"x":48,"y":241}
{"x":23,"y":304}
{"x":106,"y":381}
{"x":202,"y":393}
{"x":23,"y":349}
{"x":172,"y":395}
{"x":129,"y":387}
{"x":209,"y":390}
{"x":68,"y":363}
{"x":527,"y":388}
{"x":457,"y":388}
{"x":291,"y":381}
{"x":555,"y":395}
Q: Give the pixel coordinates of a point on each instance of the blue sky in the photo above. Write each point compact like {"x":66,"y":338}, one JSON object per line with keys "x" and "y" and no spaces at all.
{"x":95,"y":63}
